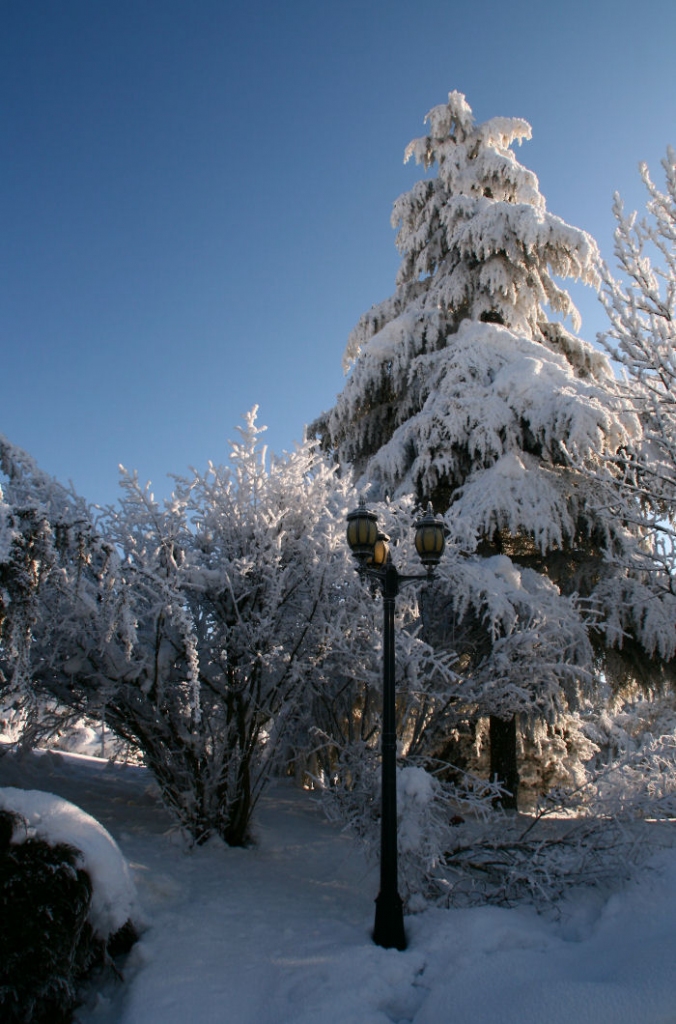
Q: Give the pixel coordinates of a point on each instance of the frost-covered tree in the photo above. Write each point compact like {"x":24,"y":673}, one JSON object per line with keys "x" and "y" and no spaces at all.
{"x":641,"y":307}
{"x":47,"y":541}
{"x":193,"y":629}
{"x":464,"y":390}
{"x":219,"y":597}
{"x":428,"y":399}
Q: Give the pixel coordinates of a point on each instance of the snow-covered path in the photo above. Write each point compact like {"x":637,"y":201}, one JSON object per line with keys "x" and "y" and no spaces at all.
{"x":279,"y":934}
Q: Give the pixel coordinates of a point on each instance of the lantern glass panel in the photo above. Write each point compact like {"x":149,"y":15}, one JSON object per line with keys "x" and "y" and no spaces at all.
{"x":362,"y":532}
{"x":381,"y":551}
{"x":429,"y":538}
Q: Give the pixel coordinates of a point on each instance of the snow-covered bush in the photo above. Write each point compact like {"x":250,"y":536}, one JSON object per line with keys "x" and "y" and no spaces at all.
{"x":67,"y":903}
{"x":429,"y":810}
{"x":54,"y":820}
{"x":230,"y":590}
{"x":92,"y":738}
{"x":194,"y":629}
{"x":633,"y":772}
{"x":456,"y":849}
{"x":48,"y":546}
{"x":46,"y":944}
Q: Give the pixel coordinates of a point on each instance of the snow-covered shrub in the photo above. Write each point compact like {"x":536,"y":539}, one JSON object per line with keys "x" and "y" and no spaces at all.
{"x":66,"y":905}
{"x":92,"y":738}
{"x":194,"y":629}
{"x":634,"y":770}
{"x":230,"y":591}
{"x":12,"y":724}
{"x":554,"y":757}
{"x":429,"y":813}
{"x":642,"y":782}
{"x":610,"y":775}
{"x":592,"y":826}
{"x":54,"y":820}
{"x":46,"y":942}
{"x":456,"y":849}
{"x":345,"y":687}
{"x":47,"y":546}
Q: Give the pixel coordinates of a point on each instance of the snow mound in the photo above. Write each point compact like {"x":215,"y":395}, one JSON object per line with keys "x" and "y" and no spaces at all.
{"x":55,"y":820}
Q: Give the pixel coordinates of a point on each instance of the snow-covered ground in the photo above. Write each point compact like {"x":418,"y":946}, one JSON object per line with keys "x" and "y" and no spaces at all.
{"x":279,"y":933}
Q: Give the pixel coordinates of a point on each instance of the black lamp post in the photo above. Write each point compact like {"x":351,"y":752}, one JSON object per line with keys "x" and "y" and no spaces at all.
{"x":370,"y":548}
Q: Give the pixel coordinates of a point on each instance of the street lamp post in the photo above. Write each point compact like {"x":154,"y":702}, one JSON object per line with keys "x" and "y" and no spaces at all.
{"x":370,"y":548}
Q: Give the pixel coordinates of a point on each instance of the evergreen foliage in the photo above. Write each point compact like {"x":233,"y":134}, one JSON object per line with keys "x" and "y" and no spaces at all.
{"x":46,"y":942}
{"x":465,"y":388}
{"x":428,"y":398}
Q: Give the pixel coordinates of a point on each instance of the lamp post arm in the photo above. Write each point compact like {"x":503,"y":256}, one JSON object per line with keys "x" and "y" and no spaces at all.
{"x":391,"y":580}
{"x":427,"y":577}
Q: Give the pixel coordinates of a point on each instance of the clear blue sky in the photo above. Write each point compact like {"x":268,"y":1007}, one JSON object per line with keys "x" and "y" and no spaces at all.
{"x":196,"y":195}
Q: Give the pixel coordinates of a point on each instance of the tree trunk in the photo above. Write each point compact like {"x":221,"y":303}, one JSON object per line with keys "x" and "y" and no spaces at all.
{"x":504,"y":768}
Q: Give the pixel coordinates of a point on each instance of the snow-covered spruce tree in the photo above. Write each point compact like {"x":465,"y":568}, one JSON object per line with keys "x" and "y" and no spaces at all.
{"x":463,"y":390}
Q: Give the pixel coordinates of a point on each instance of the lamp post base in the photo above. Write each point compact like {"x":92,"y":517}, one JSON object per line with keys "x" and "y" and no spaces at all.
{"x":388,"y":930}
